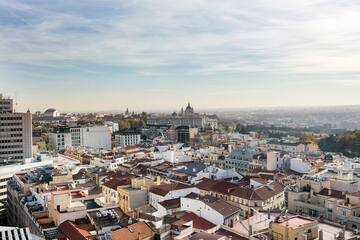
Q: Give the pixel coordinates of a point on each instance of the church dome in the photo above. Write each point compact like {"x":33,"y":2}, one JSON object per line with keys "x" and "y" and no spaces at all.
{"x":189,"y":110}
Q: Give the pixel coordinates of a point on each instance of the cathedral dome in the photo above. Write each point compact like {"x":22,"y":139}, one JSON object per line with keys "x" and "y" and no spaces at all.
{"x":189,"y":110}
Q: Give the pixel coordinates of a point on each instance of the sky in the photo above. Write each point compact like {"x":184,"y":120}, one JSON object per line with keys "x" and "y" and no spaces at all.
{"x":99,"y":55}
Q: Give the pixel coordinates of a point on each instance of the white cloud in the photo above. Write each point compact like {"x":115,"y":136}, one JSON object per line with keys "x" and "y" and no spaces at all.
{"x":215,"y":37}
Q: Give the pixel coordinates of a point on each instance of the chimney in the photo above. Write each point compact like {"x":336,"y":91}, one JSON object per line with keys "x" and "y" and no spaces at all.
{"x":158,"y":180}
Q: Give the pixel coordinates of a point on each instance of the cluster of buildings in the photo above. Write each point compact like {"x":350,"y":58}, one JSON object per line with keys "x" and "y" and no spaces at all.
{"x":61,"y":197}
{"x":175,"y":178}
{"x":187,"y":117}
{"x":80,"y":136}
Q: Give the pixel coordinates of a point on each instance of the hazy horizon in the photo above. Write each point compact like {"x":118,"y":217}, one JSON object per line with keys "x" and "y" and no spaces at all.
{"x":199,"y":109}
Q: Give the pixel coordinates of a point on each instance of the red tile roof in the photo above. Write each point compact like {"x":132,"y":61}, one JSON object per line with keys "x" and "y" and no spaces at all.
{"x":221,"y":206}
{"x":218,"y":186}
{"x":171,"y":203}
{"x":114,"y":183}
{"x":139,"y":230}
{"x":164,"y":189}
{"x":198,"y":222}
{"x":75,"y":232}
{"x":261,"y":193}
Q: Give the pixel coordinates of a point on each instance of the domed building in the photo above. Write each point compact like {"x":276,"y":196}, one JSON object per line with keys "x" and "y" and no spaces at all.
{"x":187,"y":117}
{"x":51,"y":113}
{"x":189,"y":111}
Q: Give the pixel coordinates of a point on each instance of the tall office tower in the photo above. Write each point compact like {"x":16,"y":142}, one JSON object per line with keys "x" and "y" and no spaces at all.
{"x":183,"y":134}
{"x":15,"y":133}
{"x":6,"y":104}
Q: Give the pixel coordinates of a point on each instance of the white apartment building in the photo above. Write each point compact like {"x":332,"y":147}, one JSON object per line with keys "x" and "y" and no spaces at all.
{"x":15,"y":133}
{"x":127,"y":138}
{"x":287,"y":147}
{"x":160,"y":193}
{"x":59,"y":141}
{"x":111,"y":164}
{"x":98,"y":137}
{"x":91,"y":137}
{"x":240,"y":160}
{"x":300,"y":166}
{"x":214,"y":210}
{"x":114,"y":127}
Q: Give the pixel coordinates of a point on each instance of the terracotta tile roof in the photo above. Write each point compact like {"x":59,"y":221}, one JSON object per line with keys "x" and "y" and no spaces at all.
{"x":139,"y":230}
{"x":219,"y":186}
{"x":259,"y":180}
{"x":119,"y":175}
{"x":164,"y":166}
{"x":76,"y":232}
{"x":267,"y":176}
{"x":224,"y":208}
{"x":229,"y":234}
{"x":198,"y":222}
{"x":261,"y":193}
{"x":171,"y":203}
{"x":114,"y":183}
{"x":164,"y":189}
{"x":221,"y":206}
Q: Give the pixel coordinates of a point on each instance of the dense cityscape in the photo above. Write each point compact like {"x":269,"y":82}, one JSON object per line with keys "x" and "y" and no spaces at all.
{"x":176,"y":175}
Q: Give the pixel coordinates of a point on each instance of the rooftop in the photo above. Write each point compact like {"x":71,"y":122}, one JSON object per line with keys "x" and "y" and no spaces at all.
{"x":109,"y":217}
{"x":74,"y":231}
{"x":164,"y":189}
{"x":192,"y":169}
{"x":139,"y":230}
{"x":296,"y":222}
{"x":171,"y":203}
{"x":198,"y":222}
{"x":219,"y":205}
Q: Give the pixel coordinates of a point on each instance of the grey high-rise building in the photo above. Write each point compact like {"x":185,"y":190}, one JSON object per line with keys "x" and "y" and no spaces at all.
{"x":15,"y":133}
{"x":6,"y":104}
{"x":183,"y":134}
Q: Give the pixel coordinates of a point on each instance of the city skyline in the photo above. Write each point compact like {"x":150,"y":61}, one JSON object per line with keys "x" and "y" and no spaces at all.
{"x":109,"y":55}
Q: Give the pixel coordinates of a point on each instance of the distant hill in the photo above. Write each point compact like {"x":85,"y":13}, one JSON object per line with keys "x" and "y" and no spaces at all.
{"x":347,"y":143}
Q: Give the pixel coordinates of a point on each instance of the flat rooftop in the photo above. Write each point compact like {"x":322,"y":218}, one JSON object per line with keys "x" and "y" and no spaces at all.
{"x":296,"y":222}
